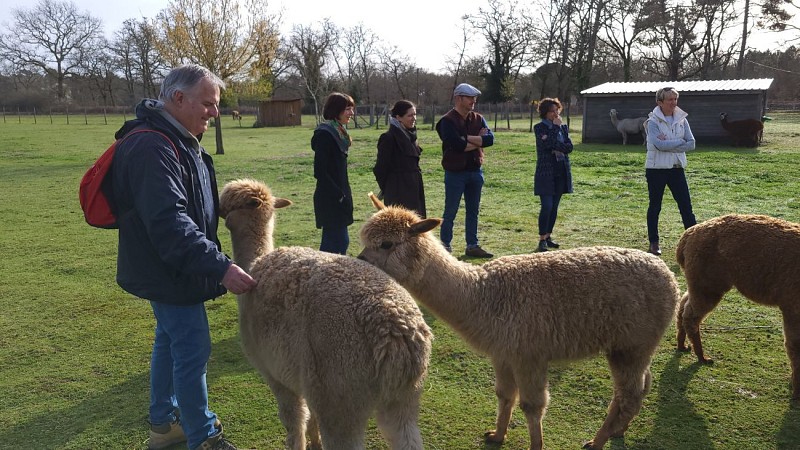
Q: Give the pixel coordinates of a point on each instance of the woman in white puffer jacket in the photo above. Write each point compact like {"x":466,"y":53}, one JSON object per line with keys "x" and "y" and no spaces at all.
{"x":668,"y":139}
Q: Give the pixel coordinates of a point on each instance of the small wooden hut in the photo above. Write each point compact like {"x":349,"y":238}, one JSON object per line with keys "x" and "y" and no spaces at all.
{"x":279,"y":113}
{"x":703,"y":100}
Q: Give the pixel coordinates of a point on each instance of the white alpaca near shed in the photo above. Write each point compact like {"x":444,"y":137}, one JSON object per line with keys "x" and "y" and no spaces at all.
{"x":625,"y":127}
{"x":525,"y":311}
{"x":328,"y":333}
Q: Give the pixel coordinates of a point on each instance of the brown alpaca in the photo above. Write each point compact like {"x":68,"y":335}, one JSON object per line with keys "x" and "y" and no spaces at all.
{"x":713,"y":260}
{"x":236,"y":115}
{"x":524,"y":311}
{"x":745,"y":132}
{"x":328,"y":333}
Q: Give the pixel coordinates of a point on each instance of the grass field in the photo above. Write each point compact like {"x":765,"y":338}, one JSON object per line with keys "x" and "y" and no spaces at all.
{"x":75,"y":348}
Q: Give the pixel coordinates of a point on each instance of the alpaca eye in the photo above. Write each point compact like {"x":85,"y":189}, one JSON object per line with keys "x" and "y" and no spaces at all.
{"x":386,"y":245}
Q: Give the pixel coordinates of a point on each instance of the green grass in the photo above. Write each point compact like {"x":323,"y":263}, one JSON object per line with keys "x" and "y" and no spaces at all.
{"x":75,"y":348}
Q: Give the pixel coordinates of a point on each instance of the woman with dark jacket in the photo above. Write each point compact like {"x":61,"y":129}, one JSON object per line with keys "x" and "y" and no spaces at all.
{"x":333,"y":200}
{"x":397,"y":166}
{"x":553,"y":176}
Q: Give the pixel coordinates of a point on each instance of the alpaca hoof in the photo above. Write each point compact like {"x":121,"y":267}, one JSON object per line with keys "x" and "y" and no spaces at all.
{"x":684,"y":348}
{"x":492,"y":436}
{"x":589,"y":445}
{"x":705,"y":361}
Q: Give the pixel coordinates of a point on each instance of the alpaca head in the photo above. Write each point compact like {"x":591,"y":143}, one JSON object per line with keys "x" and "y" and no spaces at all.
{"x":244,"y":201}
{"x":613,"y":113}
{"x":397,"y":241}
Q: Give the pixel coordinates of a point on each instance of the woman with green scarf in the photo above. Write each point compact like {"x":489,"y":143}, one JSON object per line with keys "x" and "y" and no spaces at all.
{"x":333,"y":200}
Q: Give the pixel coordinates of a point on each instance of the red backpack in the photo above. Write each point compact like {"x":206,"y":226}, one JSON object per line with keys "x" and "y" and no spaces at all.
{"x":95,"y":189}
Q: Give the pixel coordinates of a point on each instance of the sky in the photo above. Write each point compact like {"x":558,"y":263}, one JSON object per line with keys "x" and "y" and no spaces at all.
{"x":428,"y":31}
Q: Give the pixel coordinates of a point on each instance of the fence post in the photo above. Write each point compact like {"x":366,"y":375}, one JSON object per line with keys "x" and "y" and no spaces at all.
{"x":51,"y":115}
{"x":85,"y":117}
{"x":67,"y":110}
{"x":105,"y":119}
{"x":34,"y":115}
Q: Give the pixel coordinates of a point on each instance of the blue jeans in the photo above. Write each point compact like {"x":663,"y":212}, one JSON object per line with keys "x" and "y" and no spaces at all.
{"x":456,"y":184}
{"x":181,"y":350}
{"x":335,"y":240}
{"x":548,"y":213}
{"x":675,"y":179}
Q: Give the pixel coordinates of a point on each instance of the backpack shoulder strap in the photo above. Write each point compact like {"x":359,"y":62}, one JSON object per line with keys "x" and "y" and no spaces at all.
{"x":150,"y":130}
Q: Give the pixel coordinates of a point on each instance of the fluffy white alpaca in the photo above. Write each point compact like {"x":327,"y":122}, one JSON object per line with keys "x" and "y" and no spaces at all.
{"x":527,"y":310}
{"x":327,"y":332}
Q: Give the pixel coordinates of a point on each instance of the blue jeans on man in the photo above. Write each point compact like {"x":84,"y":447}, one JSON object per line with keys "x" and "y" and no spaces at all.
{"x":657,"y":181}
{"x":181,"y":350}
{"x":469,"y":185}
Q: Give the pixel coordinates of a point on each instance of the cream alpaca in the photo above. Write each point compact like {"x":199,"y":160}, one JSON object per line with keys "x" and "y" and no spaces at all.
{"x":714,"y":262}
{"x":328,"y":333}
{"x":527,"y":310}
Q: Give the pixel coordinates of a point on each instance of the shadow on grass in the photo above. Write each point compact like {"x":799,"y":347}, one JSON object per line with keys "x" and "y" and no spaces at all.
{"x":677,"y":425}
{"x":121,"y":409}
{"x":786,"y":438}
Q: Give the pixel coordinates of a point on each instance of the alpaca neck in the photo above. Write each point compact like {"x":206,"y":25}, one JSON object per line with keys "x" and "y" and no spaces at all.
{"x":250,"y":243}
{"x":614,"y":120}
{"x":452,"y":289}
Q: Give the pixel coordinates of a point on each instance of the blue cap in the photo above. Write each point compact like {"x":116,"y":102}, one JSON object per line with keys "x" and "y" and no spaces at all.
{"x":466,"y":90}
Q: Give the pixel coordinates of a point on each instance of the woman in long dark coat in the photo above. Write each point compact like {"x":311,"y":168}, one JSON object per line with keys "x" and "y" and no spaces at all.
{"x":553,"y":176}
{"x":397,"y":166}
{"x":333,"y":200}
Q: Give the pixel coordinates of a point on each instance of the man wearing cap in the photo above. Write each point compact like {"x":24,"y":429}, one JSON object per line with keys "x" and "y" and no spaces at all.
{"x":464,"y":134}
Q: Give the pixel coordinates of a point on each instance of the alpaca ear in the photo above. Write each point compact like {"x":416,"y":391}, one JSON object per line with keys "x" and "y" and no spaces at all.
{"x":375,"y":201}
{"x":281,"y":203}
{"x":423,"y":226}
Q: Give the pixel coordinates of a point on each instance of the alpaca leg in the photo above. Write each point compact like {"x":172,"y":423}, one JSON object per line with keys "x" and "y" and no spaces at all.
{"x":312,"y":431}
{"x":681,"y":338}
{"x":342,"y":421}
{"x":696,"y":307}
{"x":506,"y":390}
{"x":292,"y":412}
{"x":397,"y":421}
{"x":791,"y":333}
{"x":533,"y":397}
{"x":630,"y":370}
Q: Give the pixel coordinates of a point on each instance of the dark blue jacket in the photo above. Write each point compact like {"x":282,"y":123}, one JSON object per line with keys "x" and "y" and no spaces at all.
{"x":167,"y":214}
{"x":547,"y":140}
{"x":333,"y":199}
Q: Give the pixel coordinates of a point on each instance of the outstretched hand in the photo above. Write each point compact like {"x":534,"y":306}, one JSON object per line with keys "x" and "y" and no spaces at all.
{"x":237,"y":280}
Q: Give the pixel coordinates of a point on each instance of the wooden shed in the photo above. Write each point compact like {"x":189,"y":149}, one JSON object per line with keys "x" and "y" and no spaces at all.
{"x":279,"y":113}
{"x":702,"y":100}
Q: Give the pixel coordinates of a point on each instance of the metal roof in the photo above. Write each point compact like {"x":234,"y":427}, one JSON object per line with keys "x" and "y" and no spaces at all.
{"x":649,"y":87}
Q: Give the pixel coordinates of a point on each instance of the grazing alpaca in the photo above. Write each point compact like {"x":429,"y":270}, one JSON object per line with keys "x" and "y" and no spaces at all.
{"x":327,"y":332}
{"x":629,"y":126}
{"x":527,"y":310}
{"x":712,"y":258}
{"x":745,"y":133}
{"x":236,"y":115}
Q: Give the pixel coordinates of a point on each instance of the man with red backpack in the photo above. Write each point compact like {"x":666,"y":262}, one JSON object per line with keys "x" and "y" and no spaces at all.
{"x":169,"y":253}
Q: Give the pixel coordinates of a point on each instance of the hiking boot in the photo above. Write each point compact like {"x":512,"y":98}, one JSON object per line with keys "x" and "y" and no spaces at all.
{"x":448,"y":248}
{"x":551,"y":243}
{"x":543,"y":247}
{"x":477,"y":252}
{"x":654,"y":249}
{"x":216,"y":442}
{"x":164,"y":435}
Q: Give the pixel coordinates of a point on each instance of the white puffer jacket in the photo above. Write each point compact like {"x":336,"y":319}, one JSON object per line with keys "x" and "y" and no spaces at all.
{"x":671,"y":151}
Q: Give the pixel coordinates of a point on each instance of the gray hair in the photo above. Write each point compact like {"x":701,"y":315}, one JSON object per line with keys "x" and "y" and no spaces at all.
{"x":661,"y":94}
{"x":184,"y":78}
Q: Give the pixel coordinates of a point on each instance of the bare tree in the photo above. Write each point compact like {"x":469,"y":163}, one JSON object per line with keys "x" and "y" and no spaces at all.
{"x":622,"y":32}
{"x":508,"y":33}
{"x":53,"y":36}
{"x":310,"y":49}
{"x":226,"y":36}
{"x":398,"y":66}
{"x":135,"y":47}
{"x":356,"y":55}
{"x":672,"y":39}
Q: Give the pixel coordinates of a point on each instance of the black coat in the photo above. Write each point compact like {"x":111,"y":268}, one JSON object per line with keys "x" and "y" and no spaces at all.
{"x":333,"y":200}
{"x":546,"y":164}
{"x":397,"y":171}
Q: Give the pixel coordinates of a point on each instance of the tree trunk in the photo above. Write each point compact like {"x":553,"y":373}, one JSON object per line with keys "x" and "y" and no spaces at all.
{"x":218,"y":135}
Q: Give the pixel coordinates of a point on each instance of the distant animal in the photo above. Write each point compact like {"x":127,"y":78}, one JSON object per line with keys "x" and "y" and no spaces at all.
{"x":329,"y":333}
{"x":745,"y":132}
{"x":629,"y":126}
{"x":236,"y":115}
{"x":711,"y":256}
{"x":525,"y":311}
